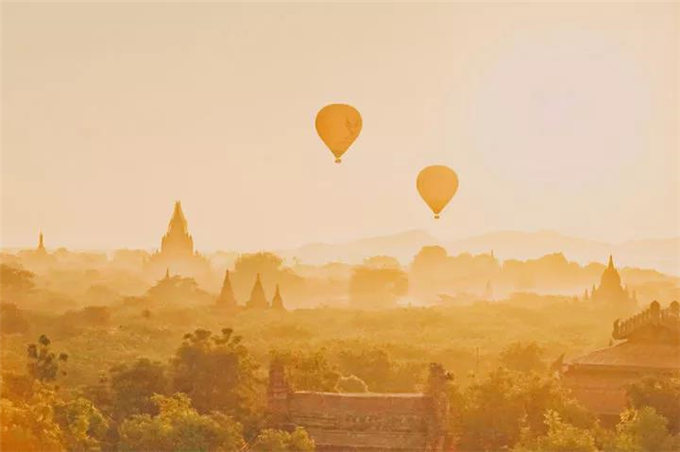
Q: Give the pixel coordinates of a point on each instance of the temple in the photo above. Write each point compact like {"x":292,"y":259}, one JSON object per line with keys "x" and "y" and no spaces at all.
{"x":177,"y":242}
{"x":177,"y":251}
{"x":364,"y":422}
{"x":277,"y":301}
{"x":226,"y":299}
{"x":257,"y":300}
{"x":650,"y":345}
{"x":610,"y":292}
{"x":41,"y":245}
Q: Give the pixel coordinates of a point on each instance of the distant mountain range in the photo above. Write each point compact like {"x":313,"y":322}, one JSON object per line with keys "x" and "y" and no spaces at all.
{"x":660,"y":254}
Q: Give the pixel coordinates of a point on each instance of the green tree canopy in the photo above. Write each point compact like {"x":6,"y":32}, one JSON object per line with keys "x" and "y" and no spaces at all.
{"x":132,"y":387}
{"x":661,"y":393}
{"x":218,"y":374}
{"x":642,"y":430}
{"x":179,"y":427}
{"x":496,"y":410}
{"x":377,"y":287}
{"x":523,"y":357}
{"x":308,"y":371}
{"x":15,"y":282}
{"x":560,"y":437}
{"x":270,"y":440}
{"x":43,"y":363}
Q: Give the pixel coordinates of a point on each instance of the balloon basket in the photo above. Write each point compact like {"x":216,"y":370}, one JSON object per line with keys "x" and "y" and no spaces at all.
{"x":337,"y":160}
{"x":436,"y":217}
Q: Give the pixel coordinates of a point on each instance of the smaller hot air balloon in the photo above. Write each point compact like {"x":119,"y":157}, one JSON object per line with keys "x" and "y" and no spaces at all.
{"x":437,"y":184}
{"x":338,"y":125}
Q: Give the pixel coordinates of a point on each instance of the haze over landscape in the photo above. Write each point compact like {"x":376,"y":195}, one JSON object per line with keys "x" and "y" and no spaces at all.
{"x":556,"y":117}
{"x":297,"y":227}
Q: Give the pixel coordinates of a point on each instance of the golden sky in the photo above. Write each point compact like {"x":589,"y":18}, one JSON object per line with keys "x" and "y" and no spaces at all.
{"x":557,"y":116}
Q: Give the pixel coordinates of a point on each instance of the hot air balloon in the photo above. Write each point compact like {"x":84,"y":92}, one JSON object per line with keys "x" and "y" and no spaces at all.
{"x":338,"y":125}
{"x":437,"y":184}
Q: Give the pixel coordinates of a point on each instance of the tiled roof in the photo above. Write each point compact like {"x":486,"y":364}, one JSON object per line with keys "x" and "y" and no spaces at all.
{"x":634,"y":355}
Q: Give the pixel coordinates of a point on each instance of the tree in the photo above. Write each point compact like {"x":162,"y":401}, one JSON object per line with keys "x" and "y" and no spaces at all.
{"x":12,"y":320}
{"x":560,"y":437}
{"x":179,"y":427}
{"x":377,"y":287}
{"x":523,"y":358}
{"x":218,"y":373}
{"x":382,"y":262}
{"x":132,"y":387}
{"x":89,"y":316}
{"x":43,"y":364}
{"x":30,"y":426}
{"x":270,"y":440}
{"x":642,"y":430}
{"x":308,"y":371}
{"x":373,"y":366}
{"x":83,"y":426}
{"x":15,"y":282}
{"x":506,"y":404}
{"x":661,"y":393}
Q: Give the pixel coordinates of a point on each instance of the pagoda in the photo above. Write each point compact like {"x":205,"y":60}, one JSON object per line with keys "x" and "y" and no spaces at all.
{"x":177,"y":242}
{"x":277,"y":301}
{"x":41,"y":251}
{"x":610,"y":292}
{"x":226,"y":298}
{"x":257,"y":300}
{"x":177,"y":251}
{"x":649,"y":345}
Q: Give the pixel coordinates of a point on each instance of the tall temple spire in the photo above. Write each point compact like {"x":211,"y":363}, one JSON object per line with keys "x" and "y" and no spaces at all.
{"x":178,"y":220}
{"x":610,"y":277}
{"x":610,"y":290}
{"x":257,"y":300}
{"x":41,"y":244}
{"x":226,"y":298}
{"x":277,"y":301}
{"x":177,"y":242}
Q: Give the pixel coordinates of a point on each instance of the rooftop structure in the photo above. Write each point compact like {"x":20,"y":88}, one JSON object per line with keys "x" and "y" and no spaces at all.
{"x":650,"y":345}
{"x":362,"y":422}
{"x":610,"y":292}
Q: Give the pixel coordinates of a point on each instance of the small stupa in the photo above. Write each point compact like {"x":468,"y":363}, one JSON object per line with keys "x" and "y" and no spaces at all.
{"x":277,"y":301}
{"x":226,"y":298}
{"x":257,"y":300}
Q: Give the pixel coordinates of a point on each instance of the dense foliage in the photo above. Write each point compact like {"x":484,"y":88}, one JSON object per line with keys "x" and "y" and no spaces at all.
{"x":165,"y":371}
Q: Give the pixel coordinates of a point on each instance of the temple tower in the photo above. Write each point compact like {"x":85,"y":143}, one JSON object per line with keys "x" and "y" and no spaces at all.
{"x":610,"y":290}
{"x":277,"y":301}
{"x":257,"y":300}
{"x":278,"y":392}
{"x":41,"y":245}
{"x":177,"y":242}
{"x":226,"y":298}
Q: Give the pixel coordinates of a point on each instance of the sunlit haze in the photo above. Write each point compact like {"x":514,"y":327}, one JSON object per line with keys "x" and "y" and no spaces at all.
{"x":559,"y":117}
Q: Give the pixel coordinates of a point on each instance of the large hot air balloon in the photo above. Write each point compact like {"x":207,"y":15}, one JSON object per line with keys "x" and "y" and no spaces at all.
{"x":338,"y":125}
{"x":437,"y":184}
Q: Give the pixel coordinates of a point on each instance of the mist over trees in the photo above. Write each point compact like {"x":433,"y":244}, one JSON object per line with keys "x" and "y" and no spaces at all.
{"x":132,"y":359}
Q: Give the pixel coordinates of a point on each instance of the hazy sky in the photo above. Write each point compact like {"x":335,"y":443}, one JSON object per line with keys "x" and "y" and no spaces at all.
{"x":559,"y":117}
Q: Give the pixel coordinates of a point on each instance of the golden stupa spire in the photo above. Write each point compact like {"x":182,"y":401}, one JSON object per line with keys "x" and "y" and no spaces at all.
{"x":177,"y":243}
{"x":41,"y":244}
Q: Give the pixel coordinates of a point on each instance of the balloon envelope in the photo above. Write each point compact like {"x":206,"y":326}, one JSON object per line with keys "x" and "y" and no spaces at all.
{"x":437,"y":184}
{"x":338,"y":125}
